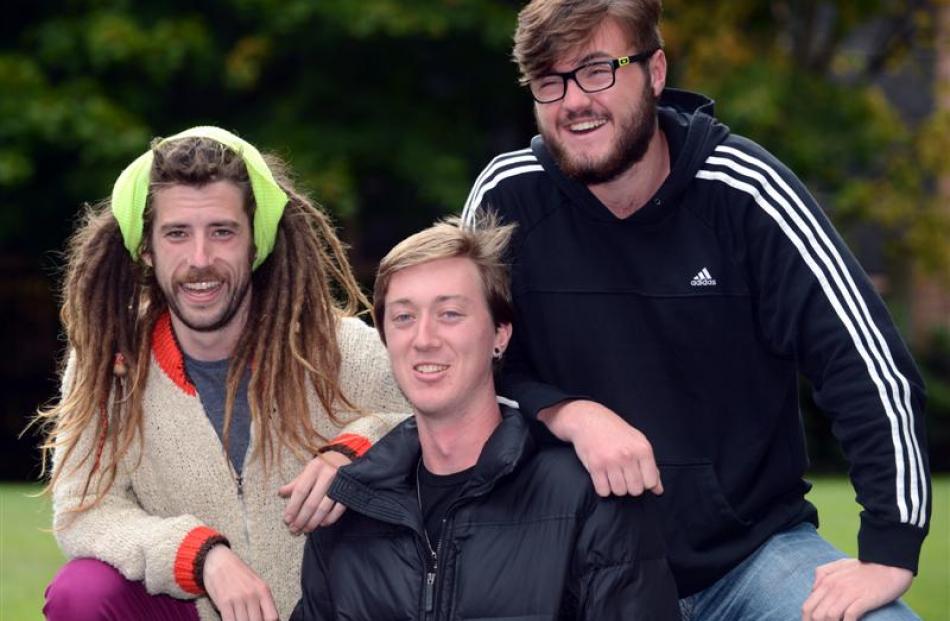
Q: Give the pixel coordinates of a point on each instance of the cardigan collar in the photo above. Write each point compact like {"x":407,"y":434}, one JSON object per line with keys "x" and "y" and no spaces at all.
{"x":169,"y":356}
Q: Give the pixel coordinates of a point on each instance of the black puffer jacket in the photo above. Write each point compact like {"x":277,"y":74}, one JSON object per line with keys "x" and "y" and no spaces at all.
{"x":527,"y":539}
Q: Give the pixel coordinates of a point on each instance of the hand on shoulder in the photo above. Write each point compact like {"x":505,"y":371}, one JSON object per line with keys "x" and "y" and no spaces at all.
{"x":309,"y":506}
{"x":618,"y":456}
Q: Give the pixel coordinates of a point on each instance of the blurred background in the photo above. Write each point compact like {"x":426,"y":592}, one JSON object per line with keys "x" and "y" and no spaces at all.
{"x":387,"y":110}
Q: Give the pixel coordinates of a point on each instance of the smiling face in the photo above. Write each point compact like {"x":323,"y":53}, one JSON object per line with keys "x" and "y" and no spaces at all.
{"x":440,"y":337}
{"x":200,"y":249}
{"x":594,"y":137}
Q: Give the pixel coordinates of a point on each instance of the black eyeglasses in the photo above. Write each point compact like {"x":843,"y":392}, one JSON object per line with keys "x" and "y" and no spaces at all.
{"x":590,"y":77}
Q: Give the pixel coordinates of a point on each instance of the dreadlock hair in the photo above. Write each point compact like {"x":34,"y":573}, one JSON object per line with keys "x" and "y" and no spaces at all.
{"x":111,"y":305}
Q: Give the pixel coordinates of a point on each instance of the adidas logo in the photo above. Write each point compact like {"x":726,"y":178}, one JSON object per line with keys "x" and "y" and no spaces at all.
{"x":703,"y":279}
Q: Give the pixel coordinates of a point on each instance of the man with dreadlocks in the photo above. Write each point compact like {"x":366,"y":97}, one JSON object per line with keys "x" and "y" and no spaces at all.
{"x":212,"y":371}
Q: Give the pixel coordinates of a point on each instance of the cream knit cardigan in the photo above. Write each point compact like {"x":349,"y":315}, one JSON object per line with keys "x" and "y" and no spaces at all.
{"x":179,"y":478}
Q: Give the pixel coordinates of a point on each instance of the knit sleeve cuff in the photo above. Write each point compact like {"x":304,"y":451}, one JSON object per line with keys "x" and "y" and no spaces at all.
{"x":897,"y":545}
{"x":189,"y":561}
{"x":349,"y":444}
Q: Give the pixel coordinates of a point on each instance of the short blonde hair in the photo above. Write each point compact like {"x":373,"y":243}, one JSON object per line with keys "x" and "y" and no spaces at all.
{"x":484,"y":243}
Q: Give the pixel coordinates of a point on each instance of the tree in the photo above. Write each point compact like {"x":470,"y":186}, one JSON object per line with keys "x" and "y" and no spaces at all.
{"x":387,"y":109}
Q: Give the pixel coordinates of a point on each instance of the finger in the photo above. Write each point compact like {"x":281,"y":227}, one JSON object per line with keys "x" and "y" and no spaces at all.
{"x":651,"y":476}
{"x":240,"y":611}
{"x":253,"y":609}
{"x":302,"y":486}
{"x":326,"y":505}
{"x":855,"y":611}
{"x":268,"y":607}
{"x":601,"y":485}
{"x":335,"y":514}
{"x":618,"y":486}
{"x":831,"y":610}
{"x":227,"y":612}
{"x":833,"y":606}
{"x":811,"y":603}
{"x":829,"y":574}
{"x":633,"y":480}
{"x":316,"y":502}
{"x":821,"y":574}
{"x":284,"y":491}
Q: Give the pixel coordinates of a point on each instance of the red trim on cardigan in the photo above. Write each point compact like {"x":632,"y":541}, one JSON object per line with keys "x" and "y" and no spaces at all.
{"x":185,"y":558}
{"x":357,"y":444}
{"x":168,"y":354}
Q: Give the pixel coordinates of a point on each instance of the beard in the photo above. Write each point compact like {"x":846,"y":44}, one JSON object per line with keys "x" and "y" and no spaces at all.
{"x":238,"y":293}
{"x":633,"y":138}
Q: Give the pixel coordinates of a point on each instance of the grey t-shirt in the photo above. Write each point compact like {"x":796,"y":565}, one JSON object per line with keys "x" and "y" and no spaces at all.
{"x":211,"y":380}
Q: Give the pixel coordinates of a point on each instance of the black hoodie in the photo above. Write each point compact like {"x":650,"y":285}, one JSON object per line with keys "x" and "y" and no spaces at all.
{"x":692,"y":319}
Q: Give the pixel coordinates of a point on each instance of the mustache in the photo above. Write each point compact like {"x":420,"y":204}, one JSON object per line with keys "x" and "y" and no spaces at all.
{"x":201,"y":274}
{"x":586,"y":113}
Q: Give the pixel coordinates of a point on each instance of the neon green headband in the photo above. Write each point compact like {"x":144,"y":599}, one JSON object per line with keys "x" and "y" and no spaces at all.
{"x":131,"y":190}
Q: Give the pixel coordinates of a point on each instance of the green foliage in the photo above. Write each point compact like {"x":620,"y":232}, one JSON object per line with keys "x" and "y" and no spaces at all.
{"x":387,"y":109}
{"x":934,"y":361}
{"x":807,"y":80}
{"x":356,"y":95}
{"x":413,"y":97}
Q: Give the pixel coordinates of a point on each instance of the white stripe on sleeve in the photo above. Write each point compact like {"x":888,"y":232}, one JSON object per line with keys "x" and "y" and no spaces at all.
{"x":896,"y":402}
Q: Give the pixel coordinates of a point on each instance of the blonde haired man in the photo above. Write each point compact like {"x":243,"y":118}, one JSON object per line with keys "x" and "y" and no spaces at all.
{"x":459,"y":513}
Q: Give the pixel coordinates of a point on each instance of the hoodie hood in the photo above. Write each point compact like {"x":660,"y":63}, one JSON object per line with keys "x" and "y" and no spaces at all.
{"x":692,"y":133}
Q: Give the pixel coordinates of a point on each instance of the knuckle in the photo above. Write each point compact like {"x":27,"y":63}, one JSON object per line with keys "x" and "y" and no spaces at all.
{"x":312,"y":504}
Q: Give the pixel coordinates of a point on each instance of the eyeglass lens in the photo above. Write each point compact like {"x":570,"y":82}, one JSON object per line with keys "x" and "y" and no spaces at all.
{"x":590,"y":78}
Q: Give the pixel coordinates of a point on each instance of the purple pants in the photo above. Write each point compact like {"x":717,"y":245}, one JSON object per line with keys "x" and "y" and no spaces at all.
{"x":89,"y":590}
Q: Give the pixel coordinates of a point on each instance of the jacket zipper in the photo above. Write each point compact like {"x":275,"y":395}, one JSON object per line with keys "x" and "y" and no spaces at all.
{"x":432,"y":574}
{"x":239,"y":479}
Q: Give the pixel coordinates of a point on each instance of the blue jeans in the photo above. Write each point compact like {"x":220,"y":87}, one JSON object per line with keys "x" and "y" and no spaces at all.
{"x":773,"y":583}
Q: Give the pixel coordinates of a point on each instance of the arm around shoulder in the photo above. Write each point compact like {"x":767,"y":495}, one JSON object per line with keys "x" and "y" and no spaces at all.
{"x":367,"y":380}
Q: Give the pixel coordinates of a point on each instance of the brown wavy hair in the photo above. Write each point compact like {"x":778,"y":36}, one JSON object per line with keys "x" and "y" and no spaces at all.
{"x":111,"y":304}
{"x":548,"y":29}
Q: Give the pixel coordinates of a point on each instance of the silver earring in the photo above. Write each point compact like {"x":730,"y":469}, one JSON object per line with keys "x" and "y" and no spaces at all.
{"x":496,"y":353}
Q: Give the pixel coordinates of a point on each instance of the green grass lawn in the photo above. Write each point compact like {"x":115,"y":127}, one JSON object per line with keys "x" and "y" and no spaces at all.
{"x":29,"y":556}
{"x":929,"y":595}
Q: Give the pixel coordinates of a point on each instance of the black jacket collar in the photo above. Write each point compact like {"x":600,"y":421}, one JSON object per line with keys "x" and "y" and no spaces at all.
{"x":381,"y":484}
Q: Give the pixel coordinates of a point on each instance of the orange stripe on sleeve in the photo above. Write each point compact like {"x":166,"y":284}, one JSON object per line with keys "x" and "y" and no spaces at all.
{"x":185,"y":559}
{"x":357,"y":444}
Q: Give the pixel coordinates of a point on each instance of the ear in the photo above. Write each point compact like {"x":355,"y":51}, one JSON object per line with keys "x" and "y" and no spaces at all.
{"x":658,"y":72}
{"x":146,"y":258}
{"x":502,"y":336}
